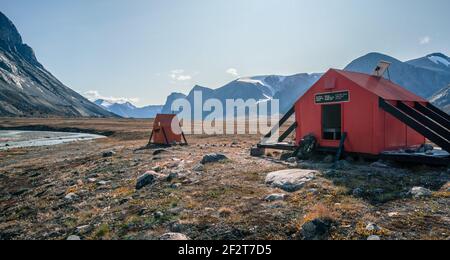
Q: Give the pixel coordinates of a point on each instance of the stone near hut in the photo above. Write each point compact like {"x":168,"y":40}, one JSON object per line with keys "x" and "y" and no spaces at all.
{"x":174,"y":237}
{"x":257,"y":152}
{"x":159,"y":151}
{"x":73,"y":238}
{"x":146,"y":179}
{"x":175,"y":186}
{"x":425,"y":148}
{"x":275,"y":197}
{"x":157,"y":168}
{"x":290,"y":180}
{"x":328,"y":159}
{"x":358,"y":192}
{"x":373,"y":238}
{"x":286,"y":156}
{"x":380,"y":165}
{"x":213,"y":158}
{"x":292,"y":160}
{"x":71,"y":197}
{"x":158,"y":215}
{"x":103,"y":183}
{"x":429,"y":153}
{"x":317,"y":229}
{"x":372,"y":227}
{"x":342,"y":165}
{"x":172,"y":176}
{"x":420,"y":192}
{"x":199,"y":168}
{"x":108,"y":154}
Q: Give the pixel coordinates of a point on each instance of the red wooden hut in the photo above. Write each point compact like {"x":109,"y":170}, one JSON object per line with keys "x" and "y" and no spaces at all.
{"x":167,"y":130}
{"x":364,"y":114}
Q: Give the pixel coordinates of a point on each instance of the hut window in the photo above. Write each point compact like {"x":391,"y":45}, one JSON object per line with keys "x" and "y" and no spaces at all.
{"x":331,"y":122}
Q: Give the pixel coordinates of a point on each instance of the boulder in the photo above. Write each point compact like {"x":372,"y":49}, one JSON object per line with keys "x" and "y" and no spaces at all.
{"x":213,"y":158}
{"x":73,"y":238}
{"x":159,"y":151}
{"x":292,"y":160}
{"x":372,"y":227}
{"x":290,"y":180}
{"x":358,"y":192}
{"x":275,"y":197}
{"x":172,"y":176}
{"x":342,"y":165}
{"x":71,"y":197}
{"x":146,"y":179}
{"x":317,"y":229}
{"x":420,"y":192}
{"x":198,"y":168}
{"x":175,"y":186}
{"x":328,"y":159}
{"x":174,"y":237}
{"x":157,"y":168}
{"x":286,"y":156}
{"x":158,"y":215}
{"x":108,"y":154}
{"x":380,"y":165}
{"x":373,"y":238}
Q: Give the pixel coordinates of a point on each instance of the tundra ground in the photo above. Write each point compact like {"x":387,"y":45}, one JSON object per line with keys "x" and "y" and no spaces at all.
{"x":223,"y":201}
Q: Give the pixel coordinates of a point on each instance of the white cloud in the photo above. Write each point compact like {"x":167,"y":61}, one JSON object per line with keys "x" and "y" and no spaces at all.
{"x":232,"y":72}
{"x":93,"y":95}
{"x":179,"y":75}
{"x":425,"y":40}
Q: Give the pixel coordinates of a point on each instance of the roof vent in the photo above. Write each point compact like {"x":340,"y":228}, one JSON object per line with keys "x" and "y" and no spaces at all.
{"x":381,"y":69}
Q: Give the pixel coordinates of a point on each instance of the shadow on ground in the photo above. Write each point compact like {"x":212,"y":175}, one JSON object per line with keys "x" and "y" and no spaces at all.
{"x":379,"y":185}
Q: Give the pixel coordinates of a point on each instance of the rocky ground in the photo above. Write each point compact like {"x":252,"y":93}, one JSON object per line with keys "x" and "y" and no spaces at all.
{"x":113,"y":189}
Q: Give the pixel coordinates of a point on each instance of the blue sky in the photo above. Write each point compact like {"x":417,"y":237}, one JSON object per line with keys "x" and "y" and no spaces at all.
{"x":145,"y":49}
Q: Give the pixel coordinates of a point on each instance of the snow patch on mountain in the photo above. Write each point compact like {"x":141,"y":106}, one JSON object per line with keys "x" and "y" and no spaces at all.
{"x":128,"y":110}
{"x":439,"y":59}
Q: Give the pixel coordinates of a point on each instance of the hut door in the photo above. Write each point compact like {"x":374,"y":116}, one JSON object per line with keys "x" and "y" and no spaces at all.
{"x":331,"y":122}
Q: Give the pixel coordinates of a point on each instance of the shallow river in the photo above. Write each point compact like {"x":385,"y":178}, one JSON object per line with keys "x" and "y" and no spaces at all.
{"x":20,"y":139}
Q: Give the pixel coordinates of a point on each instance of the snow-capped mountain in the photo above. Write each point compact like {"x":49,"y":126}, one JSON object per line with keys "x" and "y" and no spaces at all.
{"x":128,"y":110}
{"x":259,"y":88}
{"x":436,"y":61}
{"x":442,"y":99}
{"x":28,"y":89}
{"x":424,"y":76}
{"x":420,"y":76}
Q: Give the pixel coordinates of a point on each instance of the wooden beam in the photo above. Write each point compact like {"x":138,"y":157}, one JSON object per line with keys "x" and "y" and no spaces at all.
{"x":151,"y":137}
{"x":278,"y":146}
{"x":414,"y":124}
{"x":431,"y":114}
{"x":438,"y":111}
{"x":288,"y":132}
{"x":439,"y":129}
{"x":282,"y":121}
{"x":165,"y":136}
{"x":341,"y":148}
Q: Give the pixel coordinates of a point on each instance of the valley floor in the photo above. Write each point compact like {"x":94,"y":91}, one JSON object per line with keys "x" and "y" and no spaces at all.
{"x":225,"y":200}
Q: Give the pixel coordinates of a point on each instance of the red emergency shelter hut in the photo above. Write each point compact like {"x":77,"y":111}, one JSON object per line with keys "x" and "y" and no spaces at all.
{"x":167,"y":131}
{"x":364,"y":114}
{"x":347,"y":102}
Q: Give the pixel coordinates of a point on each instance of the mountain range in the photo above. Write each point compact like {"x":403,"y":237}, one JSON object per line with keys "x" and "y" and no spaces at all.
{"x":442,"y":98}
{"x":428,"y":77}
{"x":260,"y":88}
{"x":28,"y":89}
{"x":128,"y":110}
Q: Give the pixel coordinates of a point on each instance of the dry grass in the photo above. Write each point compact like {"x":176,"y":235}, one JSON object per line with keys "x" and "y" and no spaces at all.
{"x":223,"y":202}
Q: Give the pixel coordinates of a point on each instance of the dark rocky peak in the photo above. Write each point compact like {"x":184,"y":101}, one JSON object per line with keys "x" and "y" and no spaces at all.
{"x":8,"y":32}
